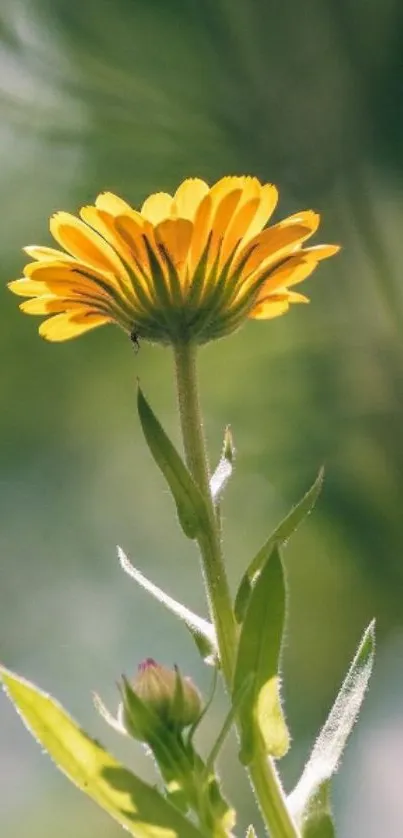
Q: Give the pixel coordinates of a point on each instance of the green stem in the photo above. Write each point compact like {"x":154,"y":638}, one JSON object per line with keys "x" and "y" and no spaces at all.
{"x":262,"y":771}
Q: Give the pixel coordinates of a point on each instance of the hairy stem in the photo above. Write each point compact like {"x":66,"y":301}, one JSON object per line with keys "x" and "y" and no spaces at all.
{"x":263,"y":775}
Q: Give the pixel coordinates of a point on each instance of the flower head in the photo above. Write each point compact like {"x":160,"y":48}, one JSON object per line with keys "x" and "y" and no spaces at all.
{"x":192,"y":266}
{"x":174,"y":701}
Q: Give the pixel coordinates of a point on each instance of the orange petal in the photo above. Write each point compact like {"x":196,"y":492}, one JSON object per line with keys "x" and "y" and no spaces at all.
{"x":189,"y":196}
{"x":157,"y":207}
{"x":175,"y":235}
{"x":71,"y":324}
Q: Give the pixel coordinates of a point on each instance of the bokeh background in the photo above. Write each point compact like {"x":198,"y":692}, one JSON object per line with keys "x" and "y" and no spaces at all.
{"x":132,"y":96}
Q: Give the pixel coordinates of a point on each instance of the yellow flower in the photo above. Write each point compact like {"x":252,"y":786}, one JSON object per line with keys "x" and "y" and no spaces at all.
{"x":192,"y":266}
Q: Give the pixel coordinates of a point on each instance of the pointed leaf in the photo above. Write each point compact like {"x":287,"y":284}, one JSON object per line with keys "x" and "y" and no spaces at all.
{"x":280,"y":535}
{"x":224,"y":469}
{"x":258,"y":655}
{"x":134,"y":804}
{"x":317,"y":822}
{"x":329,"y":746}
{"x":189,"y":501}
{"x":201,"y":630}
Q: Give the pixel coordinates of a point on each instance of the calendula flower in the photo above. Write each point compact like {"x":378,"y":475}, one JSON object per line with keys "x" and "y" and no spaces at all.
{"x":192,"y":266}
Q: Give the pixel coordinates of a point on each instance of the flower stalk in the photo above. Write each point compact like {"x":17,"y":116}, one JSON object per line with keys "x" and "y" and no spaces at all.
{"x":263,"y":775}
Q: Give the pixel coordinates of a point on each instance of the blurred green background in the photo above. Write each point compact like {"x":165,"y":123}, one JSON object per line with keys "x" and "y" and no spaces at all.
{"x":133,"y":96}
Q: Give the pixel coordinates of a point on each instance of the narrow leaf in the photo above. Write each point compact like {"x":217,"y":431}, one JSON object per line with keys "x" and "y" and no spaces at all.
{"x":201,"y":630}
{"x":317,"y":821}
{"x":187,"y":496}
{"x":224,"y":469}
{"x":258,"y":655}
{"x":329,"y":746}
{"x":280,"y":535}
{"x":132,"y":803}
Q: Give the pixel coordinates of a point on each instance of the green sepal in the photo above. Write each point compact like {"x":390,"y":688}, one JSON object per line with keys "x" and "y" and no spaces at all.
{"x":134,"y":804}
{"x":201,"y":630}
{"x":223,"y":472}
{"x":330,"y":744}
{"x":189,"y":501}
{"x":261,"y":716}
{"x":280,"y":535}
{"x":317,"y":821}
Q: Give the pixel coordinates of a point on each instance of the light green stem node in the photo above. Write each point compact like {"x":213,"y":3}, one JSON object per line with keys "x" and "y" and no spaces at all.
{"x":263,"y":774}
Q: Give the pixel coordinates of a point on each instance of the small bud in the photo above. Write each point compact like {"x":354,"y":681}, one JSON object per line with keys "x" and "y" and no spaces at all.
{"x":173,"y":700}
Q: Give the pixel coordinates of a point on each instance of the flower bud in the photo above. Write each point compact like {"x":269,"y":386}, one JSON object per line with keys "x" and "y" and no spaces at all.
{"x":174,"y":701}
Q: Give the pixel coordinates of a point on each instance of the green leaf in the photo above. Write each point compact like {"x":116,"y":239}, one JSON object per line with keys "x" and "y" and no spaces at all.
{"x":224,"y":469}
{"x":329,"y":746}
{"x":138,"y":807}
{"x":258,"y":655}
{"x":250,"y":832}
{"x":189,"y":501}
{"x":280,"y":535}
{"x":201,"y":630}
{"x":317,"y":822}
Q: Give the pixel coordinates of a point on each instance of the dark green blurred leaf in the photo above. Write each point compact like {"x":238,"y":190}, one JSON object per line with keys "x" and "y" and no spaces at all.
{"x":224,"y":468}
{"x":280,"y":535}
{"x":329,"y":746}
{"x":189,"y":501}
{"x":138,"y":807}
{"x":258,"y":656}
{"x":201,"y":630}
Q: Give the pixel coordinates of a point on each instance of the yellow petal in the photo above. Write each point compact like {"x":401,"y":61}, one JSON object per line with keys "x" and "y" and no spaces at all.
{"x":27,"y":287}
{"x":267,"y":205}
{"x":157,"y":207}
{"x":269,"y":309}
{"x":79,"y":240}
{"x":220,"y":220}
{"x":50,"y":305}
{"x":308,"y":218}
{"x":112,"y":203}
{"x":273,"y":244}
{"x":71,"y":325}
{"x":321,"y":251}
{"x":294,"y":270}
{"x":189,"y":196}
{"x":238,"y":226}
{"x":133,"y":235}
{"x":45,"y":254}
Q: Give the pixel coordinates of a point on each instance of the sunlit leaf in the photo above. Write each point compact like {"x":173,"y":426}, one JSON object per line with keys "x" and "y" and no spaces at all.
{"x":317,"y":821}
{"x":280,"y":535}
{"x":134,"y":804}
{"x":201,"y":630}
{"x":189,"y":500}
{"x":224,"y":468}
{"x":329,"y":746}
{"x":258,"y":656}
